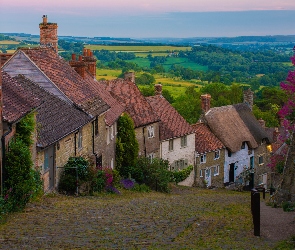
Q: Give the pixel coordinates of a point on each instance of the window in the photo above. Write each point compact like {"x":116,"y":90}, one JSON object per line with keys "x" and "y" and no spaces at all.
{"x":170,"y":145}
{"x":46,"y":160}
{"x":112,"y":132}
{"x":180,"y":164}
{"x":151,"y":157}
{"x":112,"y":163}
{"x":151,"y":132}
{"x":203,"y":158}
{"x":216,"y":170}
{"x":108,"y":135}
{"x":96,"y":126}
{"x":216,"y":154}
{"x":201,"y":173}
{"x":80,"y":139}
{"x":183,"y":141}
{"x":228,"y":153}
{"x":207,"y":173}
{"x":260,"y":160}
{"x":243,"y":145}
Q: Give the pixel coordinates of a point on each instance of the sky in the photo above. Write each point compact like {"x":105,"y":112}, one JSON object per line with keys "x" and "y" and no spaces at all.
{"x":151,"y":18}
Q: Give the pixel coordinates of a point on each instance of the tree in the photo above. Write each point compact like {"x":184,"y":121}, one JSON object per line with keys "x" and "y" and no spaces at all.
{"x":286,"y":191}
{"x":126,"y":146}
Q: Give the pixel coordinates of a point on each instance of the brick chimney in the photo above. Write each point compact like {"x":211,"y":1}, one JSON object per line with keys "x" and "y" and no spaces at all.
{"x":48,"y":34}
{"x":205,"y":102}
{"x":129,"y":76}
{"x":158,"y":89}
{"x":262,"y":122}
{"x":90,"y":61}
{"x":276,"y":134}
{"x":79,"y":66}
{"x":248,"y":97}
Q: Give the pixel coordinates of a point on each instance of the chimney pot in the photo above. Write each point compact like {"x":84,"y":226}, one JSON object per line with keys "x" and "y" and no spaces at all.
{"x":73,"y":57}
{"x":262,"y":122}
{"x":80,"y":58}
{"x":158,"y":89}
{"x":44,"y":19}
{"x":205,"y":102}
{"x":129,"y":76}
{"x":84,"y":52}
{"x":276,"y":134}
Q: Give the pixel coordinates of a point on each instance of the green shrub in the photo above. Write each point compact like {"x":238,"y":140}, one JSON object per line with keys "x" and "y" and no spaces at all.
{"x":25,"y":128}
{"x":141,"y":188}
{"x":22,"y":183}
{"x":288,"y":206}
{"x":154,"y":174}
{"x":68,"y":180}
{"x":181,"y":175}
{"x":99,"y":183}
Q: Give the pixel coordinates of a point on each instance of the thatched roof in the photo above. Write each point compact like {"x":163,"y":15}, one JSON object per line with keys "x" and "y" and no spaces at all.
{"x":235,"y":124}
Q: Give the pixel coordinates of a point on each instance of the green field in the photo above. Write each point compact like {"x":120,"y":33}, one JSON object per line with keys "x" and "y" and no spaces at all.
{"x":138,"y":48}
{"x":184,"y":62}
{"x":8,"y":42}
{"x":107,"y":74}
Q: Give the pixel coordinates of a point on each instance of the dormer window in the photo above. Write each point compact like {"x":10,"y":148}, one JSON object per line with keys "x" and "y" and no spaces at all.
{"x":203,"y":158}
{"x":151,"y":133}
{"x":216,"y":154}
{"x":243,"y":145}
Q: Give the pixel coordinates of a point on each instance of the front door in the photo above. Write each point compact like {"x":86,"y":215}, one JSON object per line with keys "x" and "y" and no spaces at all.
{"x":49,"y":164}
{"x":208,"y":177}
{"x":232,"y":172}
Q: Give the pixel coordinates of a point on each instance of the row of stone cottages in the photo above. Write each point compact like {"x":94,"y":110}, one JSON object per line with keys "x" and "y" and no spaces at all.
{"x":77,"y":116}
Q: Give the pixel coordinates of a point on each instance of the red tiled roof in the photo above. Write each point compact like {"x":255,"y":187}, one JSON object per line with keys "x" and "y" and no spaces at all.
{"x":67,"y":80}
{"x":172,"y":124}
{"x":206,"y":141}
{"x":128,"y":94}
{"x":116,"y":109}
{"x":17,"y":102}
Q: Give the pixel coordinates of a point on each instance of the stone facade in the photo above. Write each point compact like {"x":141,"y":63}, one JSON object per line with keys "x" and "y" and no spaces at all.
{"x":177,"y":155}
{"x":262,"y":171}
{"x":148,"y":145}
{"x":209,"y":170}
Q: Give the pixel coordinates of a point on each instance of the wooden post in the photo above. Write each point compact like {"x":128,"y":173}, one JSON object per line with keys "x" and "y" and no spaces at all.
{"x":255,"y":209}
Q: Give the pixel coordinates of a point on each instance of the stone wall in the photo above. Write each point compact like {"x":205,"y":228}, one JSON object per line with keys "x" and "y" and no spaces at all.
{"x":147,"y":145}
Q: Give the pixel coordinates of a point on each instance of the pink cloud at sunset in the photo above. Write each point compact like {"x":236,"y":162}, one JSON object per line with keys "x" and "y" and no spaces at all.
{"x":130,"y":6}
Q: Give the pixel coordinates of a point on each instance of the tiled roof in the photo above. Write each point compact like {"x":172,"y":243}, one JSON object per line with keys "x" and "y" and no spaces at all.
{"x":55,"y":117}
{"x":172,"y":124}
{"x":116,"y":109}
{"x":128,"y":94}
{"x":17,"y":102}
{"x":67,"y":80}
{"x":206,"y":141}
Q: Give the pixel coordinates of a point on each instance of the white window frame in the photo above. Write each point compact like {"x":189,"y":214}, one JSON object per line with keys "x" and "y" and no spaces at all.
{"x":151,"y":156}
{"x":108,"y":135}
{"x":201,"y":172}
{"x":151,"y":132}
{"x":183,"y":141}
{"x":216,"y":170}
{"x":112,"y":132}
{"x":262,"y":162}
{"x":203,"y":158}
{"x":216,"y":154}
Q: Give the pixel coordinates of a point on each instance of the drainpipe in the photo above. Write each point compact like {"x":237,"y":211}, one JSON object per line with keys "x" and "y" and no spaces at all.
{"x":144,"y":141}
{"x":93,"y":151}
{"x":3,"y":154}
{"x":75,"y":142}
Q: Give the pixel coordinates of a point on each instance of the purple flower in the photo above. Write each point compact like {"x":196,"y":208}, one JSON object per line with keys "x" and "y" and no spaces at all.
{"x":112,"y":189}
{"x":127,"y":183}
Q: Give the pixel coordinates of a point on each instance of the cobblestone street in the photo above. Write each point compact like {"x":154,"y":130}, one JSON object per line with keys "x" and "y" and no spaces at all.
{"x":188,"y":218}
